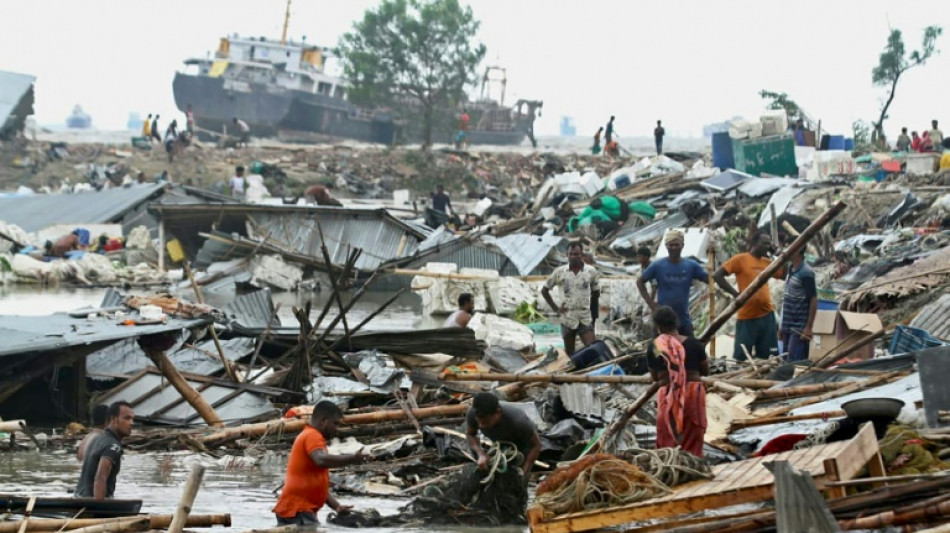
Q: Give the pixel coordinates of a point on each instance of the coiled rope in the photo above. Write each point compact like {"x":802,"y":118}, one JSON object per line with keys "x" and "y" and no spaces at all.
{"x":500,"y":456}
{"x":670,"y":466}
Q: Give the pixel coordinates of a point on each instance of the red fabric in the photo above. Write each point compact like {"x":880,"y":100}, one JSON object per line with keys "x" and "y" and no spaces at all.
{"x":694,"y":419}
{"x":782,"y":443}
{"x":307,"y":485}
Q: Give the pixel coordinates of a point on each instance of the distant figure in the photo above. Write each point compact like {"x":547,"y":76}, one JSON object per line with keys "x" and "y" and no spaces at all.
{"x":441,"y":201}
{"x":237,"y":183}
{"x":460,"y":318}
{"x":926,"y":143}
{"x":100,"y":419}
{"x":800,"y":132}
{"x":190,"y":120}
{"x":78,"y":239}
{"x":936,"y":136}
{"x":172,"y":129}
{"x":903,"y":141}
{"x":147,"y":127}
{"x":320,"y":195}
{"x":244,"y":132}
{"x":156,"y":133}
{"x":658,"y":133}
{"x":102,"y":459}
{"x":914,"y":142}
{"x":461,"y":140}
{"x":596,"y":148}
{"x":609,"y":134}
{"x":678,"y":363}
{"x":644,"y":255}
{"x":799,"y":307}
{"x":612,"y":149}
{"x":580,"y":291}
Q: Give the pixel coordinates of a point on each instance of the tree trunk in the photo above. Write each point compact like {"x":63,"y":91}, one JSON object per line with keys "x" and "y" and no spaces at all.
{"x":880,"y":121}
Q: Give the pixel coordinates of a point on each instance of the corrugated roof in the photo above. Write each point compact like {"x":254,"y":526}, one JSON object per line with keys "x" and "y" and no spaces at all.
{"x":38,"y":211}
{"x":524,"y":250}
{"x":252,"y":311}
{"x":651,"y":232}
{"x":466,"y":254}
{"x":580,"y":399}
{"x":935,"y":318}
{"x":12,"y":88}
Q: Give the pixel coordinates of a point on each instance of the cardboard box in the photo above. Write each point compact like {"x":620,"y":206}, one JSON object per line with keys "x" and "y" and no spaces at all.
{"x":841,"y":328}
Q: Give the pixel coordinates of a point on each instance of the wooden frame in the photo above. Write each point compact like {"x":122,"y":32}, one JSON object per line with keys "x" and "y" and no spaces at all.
{"x":734,"y":483}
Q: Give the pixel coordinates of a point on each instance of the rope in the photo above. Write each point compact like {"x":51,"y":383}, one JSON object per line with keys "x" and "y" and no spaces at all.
{"x":501,"y":454}
{"x":670,"y":466}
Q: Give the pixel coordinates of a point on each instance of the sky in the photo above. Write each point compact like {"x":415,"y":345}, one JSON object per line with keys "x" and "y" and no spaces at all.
{"x":687,"y":62}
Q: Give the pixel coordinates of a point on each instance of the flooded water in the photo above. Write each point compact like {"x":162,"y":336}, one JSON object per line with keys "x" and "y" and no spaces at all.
{"x":157,"y":479}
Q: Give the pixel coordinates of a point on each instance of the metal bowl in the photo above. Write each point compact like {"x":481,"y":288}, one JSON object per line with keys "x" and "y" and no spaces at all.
{"x":873,"y":408}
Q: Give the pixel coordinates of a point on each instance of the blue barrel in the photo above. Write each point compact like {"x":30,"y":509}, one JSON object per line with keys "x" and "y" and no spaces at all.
{"x":849,"y":144}
{"x":836,"y":142}
{"x":722,"y":151}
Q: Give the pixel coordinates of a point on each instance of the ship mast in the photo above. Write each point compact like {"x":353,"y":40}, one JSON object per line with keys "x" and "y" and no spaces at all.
{"x":283,"y":36}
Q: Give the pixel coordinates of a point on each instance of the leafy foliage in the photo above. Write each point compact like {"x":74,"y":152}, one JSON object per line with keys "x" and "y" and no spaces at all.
{"x":781,"y":101}
{"x":416,"y":52}
{"x":894,"y":62}
{"x":861,"y":132}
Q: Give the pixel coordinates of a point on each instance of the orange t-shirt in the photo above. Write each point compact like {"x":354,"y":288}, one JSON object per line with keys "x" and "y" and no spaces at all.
{"x":746,"y":268}
{"x":307,"y":485}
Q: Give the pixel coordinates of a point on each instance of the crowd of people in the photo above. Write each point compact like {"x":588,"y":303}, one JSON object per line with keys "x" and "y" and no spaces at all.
{"x":612,"y":147}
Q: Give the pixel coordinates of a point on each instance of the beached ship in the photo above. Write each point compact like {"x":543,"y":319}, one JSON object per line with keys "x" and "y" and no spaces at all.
{"x":281,"y":88}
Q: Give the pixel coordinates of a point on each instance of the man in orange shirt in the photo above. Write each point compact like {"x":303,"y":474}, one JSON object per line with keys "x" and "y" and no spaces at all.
{"x":307,"y":486}
{"x":755,"y":325}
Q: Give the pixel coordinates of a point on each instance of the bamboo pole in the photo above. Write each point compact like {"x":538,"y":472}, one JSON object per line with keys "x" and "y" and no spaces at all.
{"x":801,"y":390}
{"x":711,"y":268}
{"x":617,"y":426}
{"x":187,"y":499}
{"x":124,"y":526}
{"x":193,"y":397}
{"x":576,"y":378}
{"x":741,"y":423}
{"x":278,"y":529}
{"x":844,"y":391}
{"x":228,"y":371}
{"x":156,"y":521}
{"x":831,"y":357}
{"x":767,"y":273}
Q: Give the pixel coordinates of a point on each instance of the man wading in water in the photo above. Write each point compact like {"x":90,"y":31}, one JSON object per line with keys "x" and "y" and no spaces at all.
{"x":103,"y":456}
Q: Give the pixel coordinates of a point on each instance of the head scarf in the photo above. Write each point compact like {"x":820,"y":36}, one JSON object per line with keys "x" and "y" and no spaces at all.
{"x":674,"y":236}
{"x":672,"y":352}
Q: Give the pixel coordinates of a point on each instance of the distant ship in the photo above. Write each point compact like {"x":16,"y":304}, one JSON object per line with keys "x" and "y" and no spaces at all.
{"x":568,"y":129}
{"x":281,"y":89}
{"x":79,"y":120}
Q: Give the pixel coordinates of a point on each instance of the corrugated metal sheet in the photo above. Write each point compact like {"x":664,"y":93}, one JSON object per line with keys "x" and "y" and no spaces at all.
{"x":252,"y":311}
{"x":526,"y":251}
{"x":155,"y":400}
{"x":213,"y":251}
{"x":935,"y":318}
{"x":35,"y":212}
{"x":13,"y":87}
{"x":651,"y":232}
{"x":126,"y":357}
{"x":468,"y":255}
{"x":380,"y":239}
{"x":580,"y":399}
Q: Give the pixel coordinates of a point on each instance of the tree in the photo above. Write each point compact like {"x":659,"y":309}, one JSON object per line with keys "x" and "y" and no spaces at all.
{"x":416,"y":56}
{"x":782,"y":101}
{"x":894,"y":62}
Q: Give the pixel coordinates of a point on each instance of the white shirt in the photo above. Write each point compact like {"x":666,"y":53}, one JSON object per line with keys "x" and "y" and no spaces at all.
{"x":237,"y":184}
{"x":452,"y":320}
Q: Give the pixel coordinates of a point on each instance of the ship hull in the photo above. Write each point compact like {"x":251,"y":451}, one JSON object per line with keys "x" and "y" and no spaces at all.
{"x":296,"y":115}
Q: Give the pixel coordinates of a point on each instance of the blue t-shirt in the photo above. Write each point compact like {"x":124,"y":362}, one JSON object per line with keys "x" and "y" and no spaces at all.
{"x":673,"y":282}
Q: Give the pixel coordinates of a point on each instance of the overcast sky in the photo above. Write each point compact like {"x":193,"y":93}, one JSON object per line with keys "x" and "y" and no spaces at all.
{"x":689,"y":63}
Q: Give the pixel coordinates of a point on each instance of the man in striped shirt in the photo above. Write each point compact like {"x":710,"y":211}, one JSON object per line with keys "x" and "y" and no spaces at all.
{"x":799,"y":307}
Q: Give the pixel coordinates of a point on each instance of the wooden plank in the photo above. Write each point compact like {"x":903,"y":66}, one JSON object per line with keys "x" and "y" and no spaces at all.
{"x":858,"y":453}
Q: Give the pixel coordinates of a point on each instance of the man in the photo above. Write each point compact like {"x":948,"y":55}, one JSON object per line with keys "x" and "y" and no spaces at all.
{"x":461,"y":140}
{"x":936,"y":136}
{"x":244,"y":132}
{"x":609,"y":134}
{"x":320,"y":195}
{"x":237,"y":183}
{"x":307,"y":487}
{"x":501,"y":422}
{"x":100,"y":419}
{"x":461,"y":317}
{"x":644,"y":255}
{"x":594,"y":150}
{"x":441,"y":201}
{"x":903,"y":141}
{"x":156,"y":133}
{"x":674,"y":277}
{"x":799,"y":305}
{"x":102,"y":458}
{"x":755,"y":325}
{"x":190,"y":121}
{"x":580,"y":289}
{"x":915,"y":142}
{"x":658,"y":133}
{"x":800,"y":132}
{"x":147,"y":127}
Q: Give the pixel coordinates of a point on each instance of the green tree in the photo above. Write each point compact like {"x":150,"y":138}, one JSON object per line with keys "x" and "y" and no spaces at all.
{"x":861,"y":133}
{"x":782,"y":101}
{"x":416,"y":56}
{"x":894,"y":62}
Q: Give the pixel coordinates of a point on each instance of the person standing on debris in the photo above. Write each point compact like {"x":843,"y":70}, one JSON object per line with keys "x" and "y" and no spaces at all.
{"x":462,"y":315}
{"x":320,"y":195}
{"x":903,"y":141}
{"x":756,"y":330}
{"x":156,"y":133}
{"x":926,"y":143}
{"x":102,"y":458}
{"x":190,"y":121}
{"x":307,"y":487}
{"x":594,"y":150}
{"x":678,"y":363}
{"x":644,"y":255}
{"x":658,"y":133}
{"x":244,"y":132}
{"x":580,"y":289}
{"x":915,"y":142}
{"x":674,"y":277}
{"x":609,"y":134}
{"x":936,"y":136}
{"x":799,"y":306}
{"x":100,"y":420}
{"x":147,"y":127}
{"x":441,"y":201}
{"x":501,"y":422}
{"x":237,"y":183}
{"x":461,"y":140}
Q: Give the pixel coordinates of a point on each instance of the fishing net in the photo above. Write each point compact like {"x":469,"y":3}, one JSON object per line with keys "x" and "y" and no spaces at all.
{"x":670,"y":466}
{"x":595,"y":482}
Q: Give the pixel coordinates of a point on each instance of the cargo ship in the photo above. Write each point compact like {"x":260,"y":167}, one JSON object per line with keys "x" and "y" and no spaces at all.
{"x":281,"y":89}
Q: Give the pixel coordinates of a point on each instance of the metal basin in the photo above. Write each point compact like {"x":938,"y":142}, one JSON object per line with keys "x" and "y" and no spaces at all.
{"x":873,"y":408}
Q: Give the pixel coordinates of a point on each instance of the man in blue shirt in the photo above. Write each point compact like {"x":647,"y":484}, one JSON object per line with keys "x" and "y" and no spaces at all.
{"x":674,"y":277}
{"x":799,"y":306}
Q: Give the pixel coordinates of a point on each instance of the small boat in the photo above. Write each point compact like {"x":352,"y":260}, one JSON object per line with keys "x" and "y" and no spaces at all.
{"x":83,"y":507}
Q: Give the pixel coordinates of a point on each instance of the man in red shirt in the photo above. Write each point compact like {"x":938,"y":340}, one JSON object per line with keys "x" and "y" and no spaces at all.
{"x":307,"y":486}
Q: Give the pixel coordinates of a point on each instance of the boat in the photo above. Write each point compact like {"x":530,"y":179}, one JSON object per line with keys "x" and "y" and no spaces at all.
{"x":79,"y":119}
{"x":281,"y":88}
{"x":69,"y":507}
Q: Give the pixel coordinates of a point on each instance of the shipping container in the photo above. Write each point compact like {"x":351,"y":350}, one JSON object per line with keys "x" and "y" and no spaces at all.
{"x":771,"y":155}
